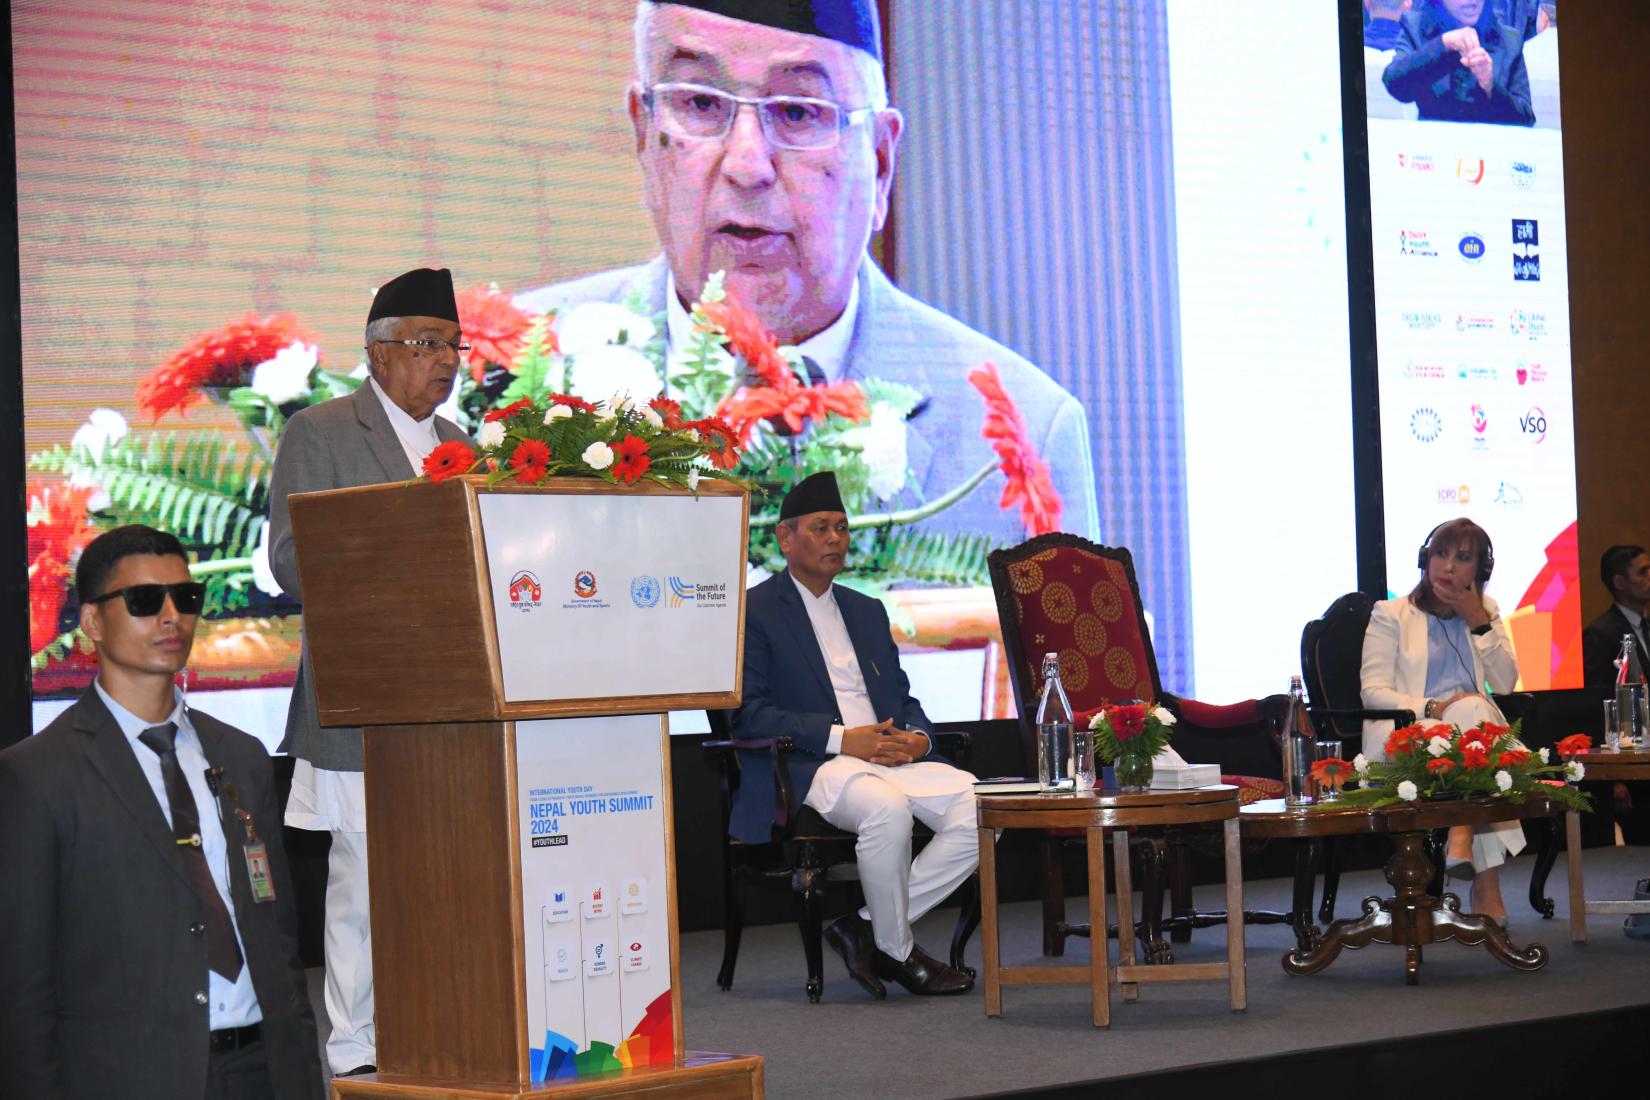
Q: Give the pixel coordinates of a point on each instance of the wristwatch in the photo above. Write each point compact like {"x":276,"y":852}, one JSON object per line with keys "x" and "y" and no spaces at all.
{"x":1482,"y":630}
{"x":1430,"y":710}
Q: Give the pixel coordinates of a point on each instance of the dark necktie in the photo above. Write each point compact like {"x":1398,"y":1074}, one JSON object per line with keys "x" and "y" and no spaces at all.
{"x":223,"y":954}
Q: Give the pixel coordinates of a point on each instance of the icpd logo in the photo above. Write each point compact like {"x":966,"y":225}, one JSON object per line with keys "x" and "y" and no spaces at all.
{"x":584,"y":584}
{"x":525,"y":591}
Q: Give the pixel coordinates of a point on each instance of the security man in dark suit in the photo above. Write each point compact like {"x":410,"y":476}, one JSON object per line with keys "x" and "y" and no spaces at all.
{"x":1625,"y":571}
{"x":148,"y":943}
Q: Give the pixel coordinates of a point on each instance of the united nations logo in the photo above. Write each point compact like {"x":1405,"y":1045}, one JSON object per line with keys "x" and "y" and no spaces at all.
{"x":645,"y":591}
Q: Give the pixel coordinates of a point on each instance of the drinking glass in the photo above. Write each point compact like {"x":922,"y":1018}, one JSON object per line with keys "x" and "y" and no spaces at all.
{"x":1612,"y":732}
{"x":1328,"y":750}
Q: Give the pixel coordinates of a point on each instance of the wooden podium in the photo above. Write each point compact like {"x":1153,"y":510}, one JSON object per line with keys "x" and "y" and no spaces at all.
{"x":510,"y":652}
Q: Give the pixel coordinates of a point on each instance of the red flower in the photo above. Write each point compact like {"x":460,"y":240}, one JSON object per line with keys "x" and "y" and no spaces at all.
{"x":493,"y":327}
{"x":529,"y":460}
{"x":1512,"y":758}
{"x":221,"y":358}
{"x":57,"y":522}
{"x":1404,"y":739}
{"x":577,"y":404}
{"x":1479,"y":736}
{"x":449,"y":460}
{"x":796,"y":405}
{"x":719,"y":441}
{"x":1574,"y":745}
{"x":1474,"y":758}
{"x":632,"y":460}
{"x":669,"y":411}
{"x":1441,"y":765}
{"x":1029,"y":484}
{"x":48,"y":592}
{"x":1128,"y":721}
{"x":750,"y":341}
{"x":507,"y":411}
{"x":1332,"y":772}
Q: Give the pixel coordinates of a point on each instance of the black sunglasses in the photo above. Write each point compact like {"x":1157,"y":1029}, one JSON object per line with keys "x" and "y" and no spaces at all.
{"x":143,"y":600}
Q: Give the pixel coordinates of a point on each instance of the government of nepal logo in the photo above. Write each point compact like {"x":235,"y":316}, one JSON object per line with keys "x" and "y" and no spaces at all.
{"x":525,"y":591}
{"x":645,"y":591}
{"x":584,"y":584}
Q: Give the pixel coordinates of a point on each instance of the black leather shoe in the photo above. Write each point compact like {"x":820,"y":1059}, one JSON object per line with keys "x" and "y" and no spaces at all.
{"x":850,"y":937}
{"x":358,"y":1071}
{"x":922,"y":974}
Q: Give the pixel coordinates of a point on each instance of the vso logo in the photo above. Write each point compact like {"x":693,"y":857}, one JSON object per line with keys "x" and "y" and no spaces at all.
{"x":1534,"y":424}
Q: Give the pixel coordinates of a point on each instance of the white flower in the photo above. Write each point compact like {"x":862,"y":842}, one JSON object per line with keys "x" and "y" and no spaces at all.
{"x":1575,"y":771}
{"x":361,"y":372}
{"x":1438,"y":746}
{"x":491,"y":434}
{"x":598,"y":324}
{"x":1503,"y":779}
{"x":1360,"y":764}
{"x":1162,"y":715}
{"x":285,"y":377}
{"x":1408,"y":791}
{"x":102,"y":430}
{"x":1543,"y":754}
{"x":610,"y":369}
{"x":881,"y":444}
{"x":598,"y":456}
{"x":693,"y":480}
{"x":557,"y":412}
{"x":262,"y":575}
{"x":650,"y":415}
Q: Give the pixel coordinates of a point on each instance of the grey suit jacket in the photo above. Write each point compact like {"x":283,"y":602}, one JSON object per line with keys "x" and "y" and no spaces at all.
{"x":100,"y":966}
{"x":338,"y":444}
{"x":898,"y":338}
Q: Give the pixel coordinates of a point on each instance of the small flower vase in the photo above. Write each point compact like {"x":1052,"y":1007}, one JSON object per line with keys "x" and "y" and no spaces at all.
{"x":1134,"y":773}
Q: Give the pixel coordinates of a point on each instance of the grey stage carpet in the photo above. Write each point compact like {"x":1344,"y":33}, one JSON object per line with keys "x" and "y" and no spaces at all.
{"x":850,"y":1047}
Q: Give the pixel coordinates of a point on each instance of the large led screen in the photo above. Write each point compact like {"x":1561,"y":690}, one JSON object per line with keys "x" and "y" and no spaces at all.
{"x":1153,"y":266}
{"x":1471,"y":289}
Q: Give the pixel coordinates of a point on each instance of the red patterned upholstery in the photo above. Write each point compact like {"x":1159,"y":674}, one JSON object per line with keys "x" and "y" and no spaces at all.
{"x":1082,"y":606}
{"x":1252,"y":788}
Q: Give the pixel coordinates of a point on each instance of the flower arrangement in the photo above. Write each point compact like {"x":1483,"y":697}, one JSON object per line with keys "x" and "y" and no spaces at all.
{"x":1130,"y":735}
{"x":616,"y":441}
{"x":1440,"y":761}
{"x":533,"y":391}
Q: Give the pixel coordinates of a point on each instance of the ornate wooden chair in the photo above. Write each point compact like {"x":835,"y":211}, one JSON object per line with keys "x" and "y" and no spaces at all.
{"x":1332,"y":649}
{"x":805,"y":853}
{"x":1063,"y":594}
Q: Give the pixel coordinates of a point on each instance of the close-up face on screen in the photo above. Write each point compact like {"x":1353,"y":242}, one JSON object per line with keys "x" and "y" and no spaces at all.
{"x":1022,"y":266}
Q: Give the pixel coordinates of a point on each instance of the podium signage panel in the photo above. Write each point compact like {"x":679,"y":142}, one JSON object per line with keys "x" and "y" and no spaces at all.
{"x":595,"y":894}
{"x":587,"y":589}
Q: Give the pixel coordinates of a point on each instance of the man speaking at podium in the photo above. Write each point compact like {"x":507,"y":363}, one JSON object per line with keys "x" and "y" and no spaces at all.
{"x":821,"y":668}
{"x":767,"y":147}
{"x":382,"y":432}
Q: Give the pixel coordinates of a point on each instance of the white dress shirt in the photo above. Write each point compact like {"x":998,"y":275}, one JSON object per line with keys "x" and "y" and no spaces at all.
{"x":828,"y":348}
{"x":233,"y":1003}
{"x":417,"y":437}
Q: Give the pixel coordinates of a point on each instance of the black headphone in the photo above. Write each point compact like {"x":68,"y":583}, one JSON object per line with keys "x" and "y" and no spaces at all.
{"x":1485,"y":567}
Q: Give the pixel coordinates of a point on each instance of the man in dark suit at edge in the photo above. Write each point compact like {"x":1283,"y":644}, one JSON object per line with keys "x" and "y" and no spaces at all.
{"x":1625,"y":571}
{"x":821,"y":668}
{"x":148,"y":939}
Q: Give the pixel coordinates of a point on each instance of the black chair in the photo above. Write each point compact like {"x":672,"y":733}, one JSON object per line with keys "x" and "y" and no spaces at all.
{"x":803,"y":851}
{"x":1332,"y":649}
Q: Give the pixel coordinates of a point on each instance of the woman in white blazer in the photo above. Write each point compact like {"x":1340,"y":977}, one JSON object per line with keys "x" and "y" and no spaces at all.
{"x":1441,"y":651}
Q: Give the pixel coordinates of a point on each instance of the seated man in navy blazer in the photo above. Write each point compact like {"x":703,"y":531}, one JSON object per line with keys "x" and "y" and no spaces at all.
{"x":821,"y":668}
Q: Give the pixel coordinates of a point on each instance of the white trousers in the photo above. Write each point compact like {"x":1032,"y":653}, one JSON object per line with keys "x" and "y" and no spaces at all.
{"x":899,"y":890}
{"x":348,"y":939}
{"x":1491,"y":844}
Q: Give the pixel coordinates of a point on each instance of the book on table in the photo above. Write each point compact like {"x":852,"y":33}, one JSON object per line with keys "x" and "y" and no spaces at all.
{"x":1007,"y":784}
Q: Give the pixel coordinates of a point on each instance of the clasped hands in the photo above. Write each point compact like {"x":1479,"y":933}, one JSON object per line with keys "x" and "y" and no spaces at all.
{"x":1464,"y":41}
{"x":884,"y":743}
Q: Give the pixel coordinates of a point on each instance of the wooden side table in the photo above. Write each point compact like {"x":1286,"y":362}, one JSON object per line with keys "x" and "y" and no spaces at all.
{"x":1623,"y":765}
{"x":1411,"y":917}
{"x":1095,"y":812}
